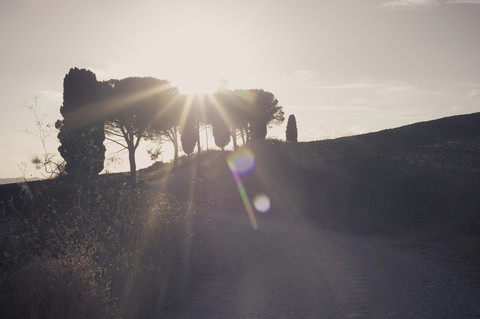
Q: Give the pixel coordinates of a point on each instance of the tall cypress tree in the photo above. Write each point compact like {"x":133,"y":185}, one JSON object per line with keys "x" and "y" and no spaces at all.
{"x":189,"y":135}
{"x":291,"y":132}
{"x":82,"y":129}
{"x":221,"y":133}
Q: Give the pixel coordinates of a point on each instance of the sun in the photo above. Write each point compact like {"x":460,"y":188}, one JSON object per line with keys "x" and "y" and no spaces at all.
{"x":202,"y":56}
{"x":193,"y":83}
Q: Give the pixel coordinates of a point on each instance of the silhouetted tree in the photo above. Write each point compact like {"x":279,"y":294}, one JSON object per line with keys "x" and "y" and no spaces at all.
{"x":134,"y":104}
{"x":220,"y":130}
{"x":249,"y":112}
{"x":189,"y":134}
{"x":221,"y":134}
{"x":166,"y":122}
{"x":46,"y":160}
{"x":82,"y":128}
{"x":264,"y":110}
{"x":291,"y":131}
{"x":232,"y":107}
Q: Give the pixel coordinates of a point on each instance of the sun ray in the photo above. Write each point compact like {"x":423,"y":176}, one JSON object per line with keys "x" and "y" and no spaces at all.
{"x":221,"y":110}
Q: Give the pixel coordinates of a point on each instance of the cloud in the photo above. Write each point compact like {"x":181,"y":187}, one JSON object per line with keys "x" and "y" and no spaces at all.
{"x":406,"y":4}
{"x":463,"y":2}
{"x":468,"y":84}
{"x":324,"y":131}
{"x":301,"y":75}
{"x":367,"y":83}
{"x":336,"y":108}
{"x":421,"y":4}
{"x":51,"y":95}
{"x":111,"y":70}
{"x":473,"y":93}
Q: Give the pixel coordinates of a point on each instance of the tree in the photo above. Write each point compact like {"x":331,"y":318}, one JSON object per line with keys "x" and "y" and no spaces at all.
{"x":82,"y":128}
{"x":133,"y":105}
{"x":221,"y":132}
{"x":232,"y":108}
{"x":47,"y":161}
{"x":263,"y":111}
{"x":291,"y":132}
{"x":189,"y":134}
{"x":249,"y":112}
{"x":166,"y":123}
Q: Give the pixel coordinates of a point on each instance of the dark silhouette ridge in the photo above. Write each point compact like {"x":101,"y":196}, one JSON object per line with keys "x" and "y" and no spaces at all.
{"x":460,"y":127}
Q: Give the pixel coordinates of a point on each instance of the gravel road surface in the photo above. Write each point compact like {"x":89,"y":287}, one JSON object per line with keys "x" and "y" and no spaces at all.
{"x":295,"y":270}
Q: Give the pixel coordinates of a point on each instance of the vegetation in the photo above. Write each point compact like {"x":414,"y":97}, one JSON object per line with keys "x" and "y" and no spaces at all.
{"x":291,"y":131}
{"x":47,"y":162}
{"x":249,"y":112}
{"x":189,"y":135}
{"x":136,"y":108}
{"x":131,"y":106}
{"x":105,"y":249}
{"x":82,"y":128}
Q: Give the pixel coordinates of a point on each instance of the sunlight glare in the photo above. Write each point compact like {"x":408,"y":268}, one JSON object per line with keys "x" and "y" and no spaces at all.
{"x":202,"y":54}
{"x":242,"y":162}
{"x":262,"y":203}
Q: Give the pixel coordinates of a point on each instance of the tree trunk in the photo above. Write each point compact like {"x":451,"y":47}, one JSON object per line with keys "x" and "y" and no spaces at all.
{"x":206,"y":135}
{"x":198,"y":137}
{"x":242,"y":134}
{"x":175,"y":149}
{"x":248,"y":133}
{"x":234,"y":138}
{"x":133,"y":165}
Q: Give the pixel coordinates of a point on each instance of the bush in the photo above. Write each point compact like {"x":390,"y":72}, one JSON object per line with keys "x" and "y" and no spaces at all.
{"x":74,"y":239}
{"x":64,"y":287}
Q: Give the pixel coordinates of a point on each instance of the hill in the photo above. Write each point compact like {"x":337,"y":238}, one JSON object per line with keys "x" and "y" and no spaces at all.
{"x":129,"y":251}
{"x":16,"y":180}
{"x":408,"y":178}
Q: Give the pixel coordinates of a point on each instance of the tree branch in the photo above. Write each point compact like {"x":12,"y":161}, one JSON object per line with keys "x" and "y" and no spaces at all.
{"x":116,"y":142}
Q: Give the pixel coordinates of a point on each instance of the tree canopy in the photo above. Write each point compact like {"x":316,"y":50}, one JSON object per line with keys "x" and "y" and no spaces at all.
{"x":136,"y":108}
{"x":250,"y":112}
{"x":81,"y":132}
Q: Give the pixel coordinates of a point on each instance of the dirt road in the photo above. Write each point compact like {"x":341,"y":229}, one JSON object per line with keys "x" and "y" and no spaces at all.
{"x":294,"y":270}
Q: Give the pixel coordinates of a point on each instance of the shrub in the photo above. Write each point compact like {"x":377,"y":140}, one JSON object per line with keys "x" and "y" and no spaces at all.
{"x":64,"y":287}
{"x":73,"y":239}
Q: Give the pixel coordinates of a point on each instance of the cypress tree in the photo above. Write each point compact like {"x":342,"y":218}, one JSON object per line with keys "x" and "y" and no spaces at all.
{"x":82,"y":128}
{"x":221,"y":133}
{"x":291,"y":132}
{"x":188,"y":135}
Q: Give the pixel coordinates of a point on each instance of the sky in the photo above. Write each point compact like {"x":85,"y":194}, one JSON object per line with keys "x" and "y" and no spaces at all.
{"x":342,"y":67}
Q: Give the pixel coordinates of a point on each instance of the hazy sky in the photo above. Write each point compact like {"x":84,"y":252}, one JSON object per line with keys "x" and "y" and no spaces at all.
{"x":341,"y":66}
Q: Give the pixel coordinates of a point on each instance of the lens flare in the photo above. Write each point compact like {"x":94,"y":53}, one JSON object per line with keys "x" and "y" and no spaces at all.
{"x":242,"y":163}
{"x":262,"y":203}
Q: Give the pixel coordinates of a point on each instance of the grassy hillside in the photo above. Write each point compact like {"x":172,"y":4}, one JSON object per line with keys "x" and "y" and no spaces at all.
{"x":408,"y":178}
{"x":404,"y":178}
{"x":101,"y":249}
{"x":107,"y":249}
